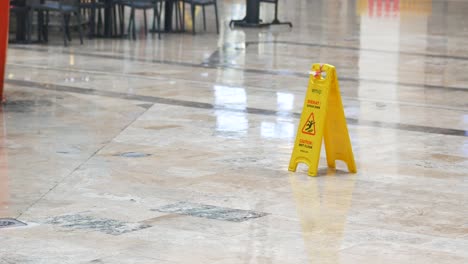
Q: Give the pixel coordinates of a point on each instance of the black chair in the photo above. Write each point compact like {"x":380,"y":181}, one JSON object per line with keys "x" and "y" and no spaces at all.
{"x":276,"y":20}
{"x":19,"y":8}
{"x":202,"y":3}
{"x":94,"y":7}
{"x":144,"y":5}
{"x":113,"y":8}
{"x":66,"y":8}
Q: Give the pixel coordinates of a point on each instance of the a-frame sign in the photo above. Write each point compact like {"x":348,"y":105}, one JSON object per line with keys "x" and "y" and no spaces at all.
{"x":322,"y":117}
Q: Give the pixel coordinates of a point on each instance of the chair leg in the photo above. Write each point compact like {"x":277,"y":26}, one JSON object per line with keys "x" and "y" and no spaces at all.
{"x":40,"y":18}
{"x":80,"y":27}
{"x":204,"y":18}
{"x":216,"y":16}
{"x":159,"y":19}
{"x":176,"y":9}
{"x":193,"y":18}
{"x":68,"y":27}
{"x":92,"y":22}
{"x":45,"y":29}
{"x":155,"y":14}
{"x":122,"y":19}
{"x":29,"y":29}
{"x":130,"y":23}
{"x":183,"y":15}
{"x":26,"y":27}
{"x":134,"y":24}
{"x":276,"y":11}
{"x":114,"y":19}
{"x":100,"y":22}
{"x":146,"y":23}
{"x":64,"y":25}
{"x":40,"y":24}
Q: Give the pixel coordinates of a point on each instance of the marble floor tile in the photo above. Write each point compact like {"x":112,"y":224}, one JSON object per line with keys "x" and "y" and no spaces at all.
{"x":176,"y":150}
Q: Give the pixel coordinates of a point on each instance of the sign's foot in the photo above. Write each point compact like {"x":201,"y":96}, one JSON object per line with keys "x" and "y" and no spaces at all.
{"x":277,"y":22}
{"x":244,"y":23}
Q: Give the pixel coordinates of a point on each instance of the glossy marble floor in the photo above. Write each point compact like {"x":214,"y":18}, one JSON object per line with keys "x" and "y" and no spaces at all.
{"x":176,"y":150}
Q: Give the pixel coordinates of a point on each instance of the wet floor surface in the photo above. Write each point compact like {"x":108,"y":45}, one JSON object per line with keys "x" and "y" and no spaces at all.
{"x":176,"y":150}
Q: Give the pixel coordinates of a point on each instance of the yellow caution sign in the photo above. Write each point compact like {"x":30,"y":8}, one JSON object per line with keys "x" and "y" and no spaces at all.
{"x":322,"y":117}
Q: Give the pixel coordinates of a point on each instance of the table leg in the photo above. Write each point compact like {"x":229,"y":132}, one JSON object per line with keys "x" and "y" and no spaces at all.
{"x":4,"y":26}
{"x":252,"y":15}
{"x":168,"y":15}
{"x":252,"y":12}
{"x":108,"y":19}
{"x":167,"y":26}
{"x":21,"y":26}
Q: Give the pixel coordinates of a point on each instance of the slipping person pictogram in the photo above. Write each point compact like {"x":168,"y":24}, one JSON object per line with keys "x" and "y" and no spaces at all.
{"x":309,"y":127}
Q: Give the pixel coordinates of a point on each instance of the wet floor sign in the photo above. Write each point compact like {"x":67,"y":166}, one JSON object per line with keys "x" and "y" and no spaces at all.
{"x":322,"y":117}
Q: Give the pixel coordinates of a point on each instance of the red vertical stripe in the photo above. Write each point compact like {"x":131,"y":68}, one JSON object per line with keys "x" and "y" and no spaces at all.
{"x":388,"y":10}
{"x":4,"y":24}
{"x":4,"y":20}
{"x":396,"y":7}
{"x":371,"y":8}
{"x":379,"y":8}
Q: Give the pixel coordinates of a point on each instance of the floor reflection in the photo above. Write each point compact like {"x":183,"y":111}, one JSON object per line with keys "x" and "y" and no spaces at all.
{"x":228,"y":123}
{"x":4,"y":185}
{"x":322,"y":205}
{"x":277,"y":129}
{"x":283,"y":127}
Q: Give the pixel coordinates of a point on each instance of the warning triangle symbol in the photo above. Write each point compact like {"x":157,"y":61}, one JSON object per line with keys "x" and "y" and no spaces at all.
{"x":309,"y":126}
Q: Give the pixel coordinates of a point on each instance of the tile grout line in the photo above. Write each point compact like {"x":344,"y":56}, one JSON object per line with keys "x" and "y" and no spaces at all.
{"x":248,"y":110}
{"x":82,"y":163}
{"x":249,"y":70}
{"x":256,"y":88}
{"x":321,"y":45}
{"x":61,"y":181}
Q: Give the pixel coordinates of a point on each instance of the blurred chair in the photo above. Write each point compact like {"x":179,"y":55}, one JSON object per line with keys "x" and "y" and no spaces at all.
{"x":65,"y":8}
{"x":94,"y":7}
{"x":19,"y":8}
{"x":193,"y":4}
{"x":144,"y":5}
{"x":114,"y":8}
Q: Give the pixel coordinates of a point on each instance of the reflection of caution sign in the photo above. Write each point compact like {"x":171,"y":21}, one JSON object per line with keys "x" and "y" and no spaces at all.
{"x":322,"y":118}
{"x":309,"y":126}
